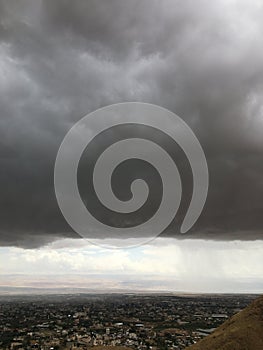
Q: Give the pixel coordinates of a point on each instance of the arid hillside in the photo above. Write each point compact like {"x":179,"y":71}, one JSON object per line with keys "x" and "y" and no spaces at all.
{"x":244,"y":331}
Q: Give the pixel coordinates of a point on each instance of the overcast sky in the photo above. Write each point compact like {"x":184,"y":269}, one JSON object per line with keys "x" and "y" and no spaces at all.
{"x":203,"y":60}
{"x":168,"y":265}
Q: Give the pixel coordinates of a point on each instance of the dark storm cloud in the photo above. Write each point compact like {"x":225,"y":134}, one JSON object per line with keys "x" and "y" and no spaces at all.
{"x":61,"y":59}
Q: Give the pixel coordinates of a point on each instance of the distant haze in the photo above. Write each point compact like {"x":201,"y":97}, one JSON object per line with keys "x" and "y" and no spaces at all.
{"x":201,"y":59}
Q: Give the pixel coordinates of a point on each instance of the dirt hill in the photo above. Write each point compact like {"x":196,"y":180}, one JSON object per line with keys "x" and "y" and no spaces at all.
{"x":243,"y":331}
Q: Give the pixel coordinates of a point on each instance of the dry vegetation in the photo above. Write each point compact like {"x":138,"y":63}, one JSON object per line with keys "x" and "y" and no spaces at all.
{"x":244,"y":331}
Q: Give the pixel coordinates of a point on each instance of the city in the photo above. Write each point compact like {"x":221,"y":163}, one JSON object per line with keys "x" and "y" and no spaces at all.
{"x":131,"y":181}
{"x":137,"y":321}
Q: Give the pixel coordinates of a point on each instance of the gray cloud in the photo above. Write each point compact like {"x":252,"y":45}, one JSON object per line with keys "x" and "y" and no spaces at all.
{"x":60,"y":60}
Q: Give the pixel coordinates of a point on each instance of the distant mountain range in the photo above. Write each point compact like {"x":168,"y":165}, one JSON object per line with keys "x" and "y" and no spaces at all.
{"x":243,"y":331}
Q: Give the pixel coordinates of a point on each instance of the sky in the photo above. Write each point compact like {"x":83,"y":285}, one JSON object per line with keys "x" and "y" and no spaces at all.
{"x":200,"y":59}
{"x":192,"y":266}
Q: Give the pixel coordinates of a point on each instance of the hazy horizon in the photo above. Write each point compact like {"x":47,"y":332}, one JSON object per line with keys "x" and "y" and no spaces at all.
{"x":201,"y":60}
